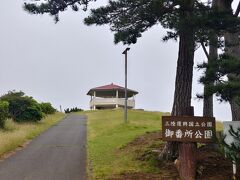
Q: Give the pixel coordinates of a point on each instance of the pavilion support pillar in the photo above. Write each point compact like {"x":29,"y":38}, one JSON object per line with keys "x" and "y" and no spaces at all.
{"x":91,"y":101}
{"x":133,"y":101}
{"x":117,"y":99}
{"x":94,"y":97}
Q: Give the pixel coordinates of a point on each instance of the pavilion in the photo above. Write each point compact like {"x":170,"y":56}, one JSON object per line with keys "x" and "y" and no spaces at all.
{"x":111,"y":96}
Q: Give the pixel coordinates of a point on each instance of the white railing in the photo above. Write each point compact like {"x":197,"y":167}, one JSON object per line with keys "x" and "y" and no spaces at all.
{"x":111,"y":101}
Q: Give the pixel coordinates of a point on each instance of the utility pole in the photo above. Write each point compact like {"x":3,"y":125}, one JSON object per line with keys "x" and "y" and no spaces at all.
{"x":126,"y":97}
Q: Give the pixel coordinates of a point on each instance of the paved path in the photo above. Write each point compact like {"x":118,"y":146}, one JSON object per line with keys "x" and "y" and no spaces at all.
{"x":57,"y":154}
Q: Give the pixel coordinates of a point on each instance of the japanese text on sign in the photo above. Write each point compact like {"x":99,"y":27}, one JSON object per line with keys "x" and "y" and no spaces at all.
{"x":188,"y":129}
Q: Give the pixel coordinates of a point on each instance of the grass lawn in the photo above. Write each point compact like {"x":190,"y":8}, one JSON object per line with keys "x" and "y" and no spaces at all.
{"x":16,"y":134}
{"x":107,"y":134}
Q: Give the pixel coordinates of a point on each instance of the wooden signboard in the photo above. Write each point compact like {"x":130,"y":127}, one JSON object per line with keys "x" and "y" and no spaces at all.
{"x":188,"y":129}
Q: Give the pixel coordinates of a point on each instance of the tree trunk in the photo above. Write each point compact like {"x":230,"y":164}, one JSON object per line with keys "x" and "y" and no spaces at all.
{"x":224,"y":5}
{"x":208,"y":100}
{"x":183,"y":88}
{"x":233,"y":49}
{"x":186,"y":163}
{"x":235,"y":109}
{"x":187,"y":158}
{"x":235,"y":52}
{"x":213,"y":54}
{"x":183,"y":82}
{"x":207,"y":105}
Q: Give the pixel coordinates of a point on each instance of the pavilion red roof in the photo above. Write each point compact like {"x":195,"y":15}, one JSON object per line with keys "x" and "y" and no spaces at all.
{"x":110,"y":87}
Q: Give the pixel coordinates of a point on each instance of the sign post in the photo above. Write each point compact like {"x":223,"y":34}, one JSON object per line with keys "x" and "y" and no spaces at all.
{"x":188,"y":130}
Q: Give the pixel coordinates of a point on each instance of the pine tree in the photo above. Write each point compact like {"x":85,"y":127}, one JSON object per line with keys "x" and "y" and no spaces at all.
{"x":233,"y":49}
{"x":223,"y":72}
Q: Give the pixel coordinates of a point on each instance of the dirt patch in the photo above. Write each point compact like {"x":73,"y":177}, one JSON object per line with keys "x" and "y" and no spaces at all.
{"x":146,"y":148}
{"x":19,"y":148}
{"x":146,"y":139}
{"x":211,"y":165}
{"x":140,"y":176}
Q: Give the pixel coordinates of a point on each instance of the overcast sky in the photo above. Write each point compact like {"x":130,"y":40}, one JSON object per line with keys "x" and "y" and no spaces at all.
{"x":59,"y":63}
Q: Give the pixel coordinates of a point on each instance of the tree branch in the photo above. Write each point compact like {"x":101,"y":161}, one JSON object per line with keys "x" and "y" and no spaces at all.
{"x":238,"y":10}
{"x":205,"y":50}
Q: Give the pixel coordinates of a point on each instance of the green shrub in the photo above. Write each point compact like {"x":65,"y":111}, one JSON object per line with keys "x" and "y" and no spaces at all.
{"x":232,"y":151}
{"x":31,"y":113}
{"x":47,"y":108}
{"x":73,"y":110}
{"x":3,"y":113}
{"x":22,"y":108}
